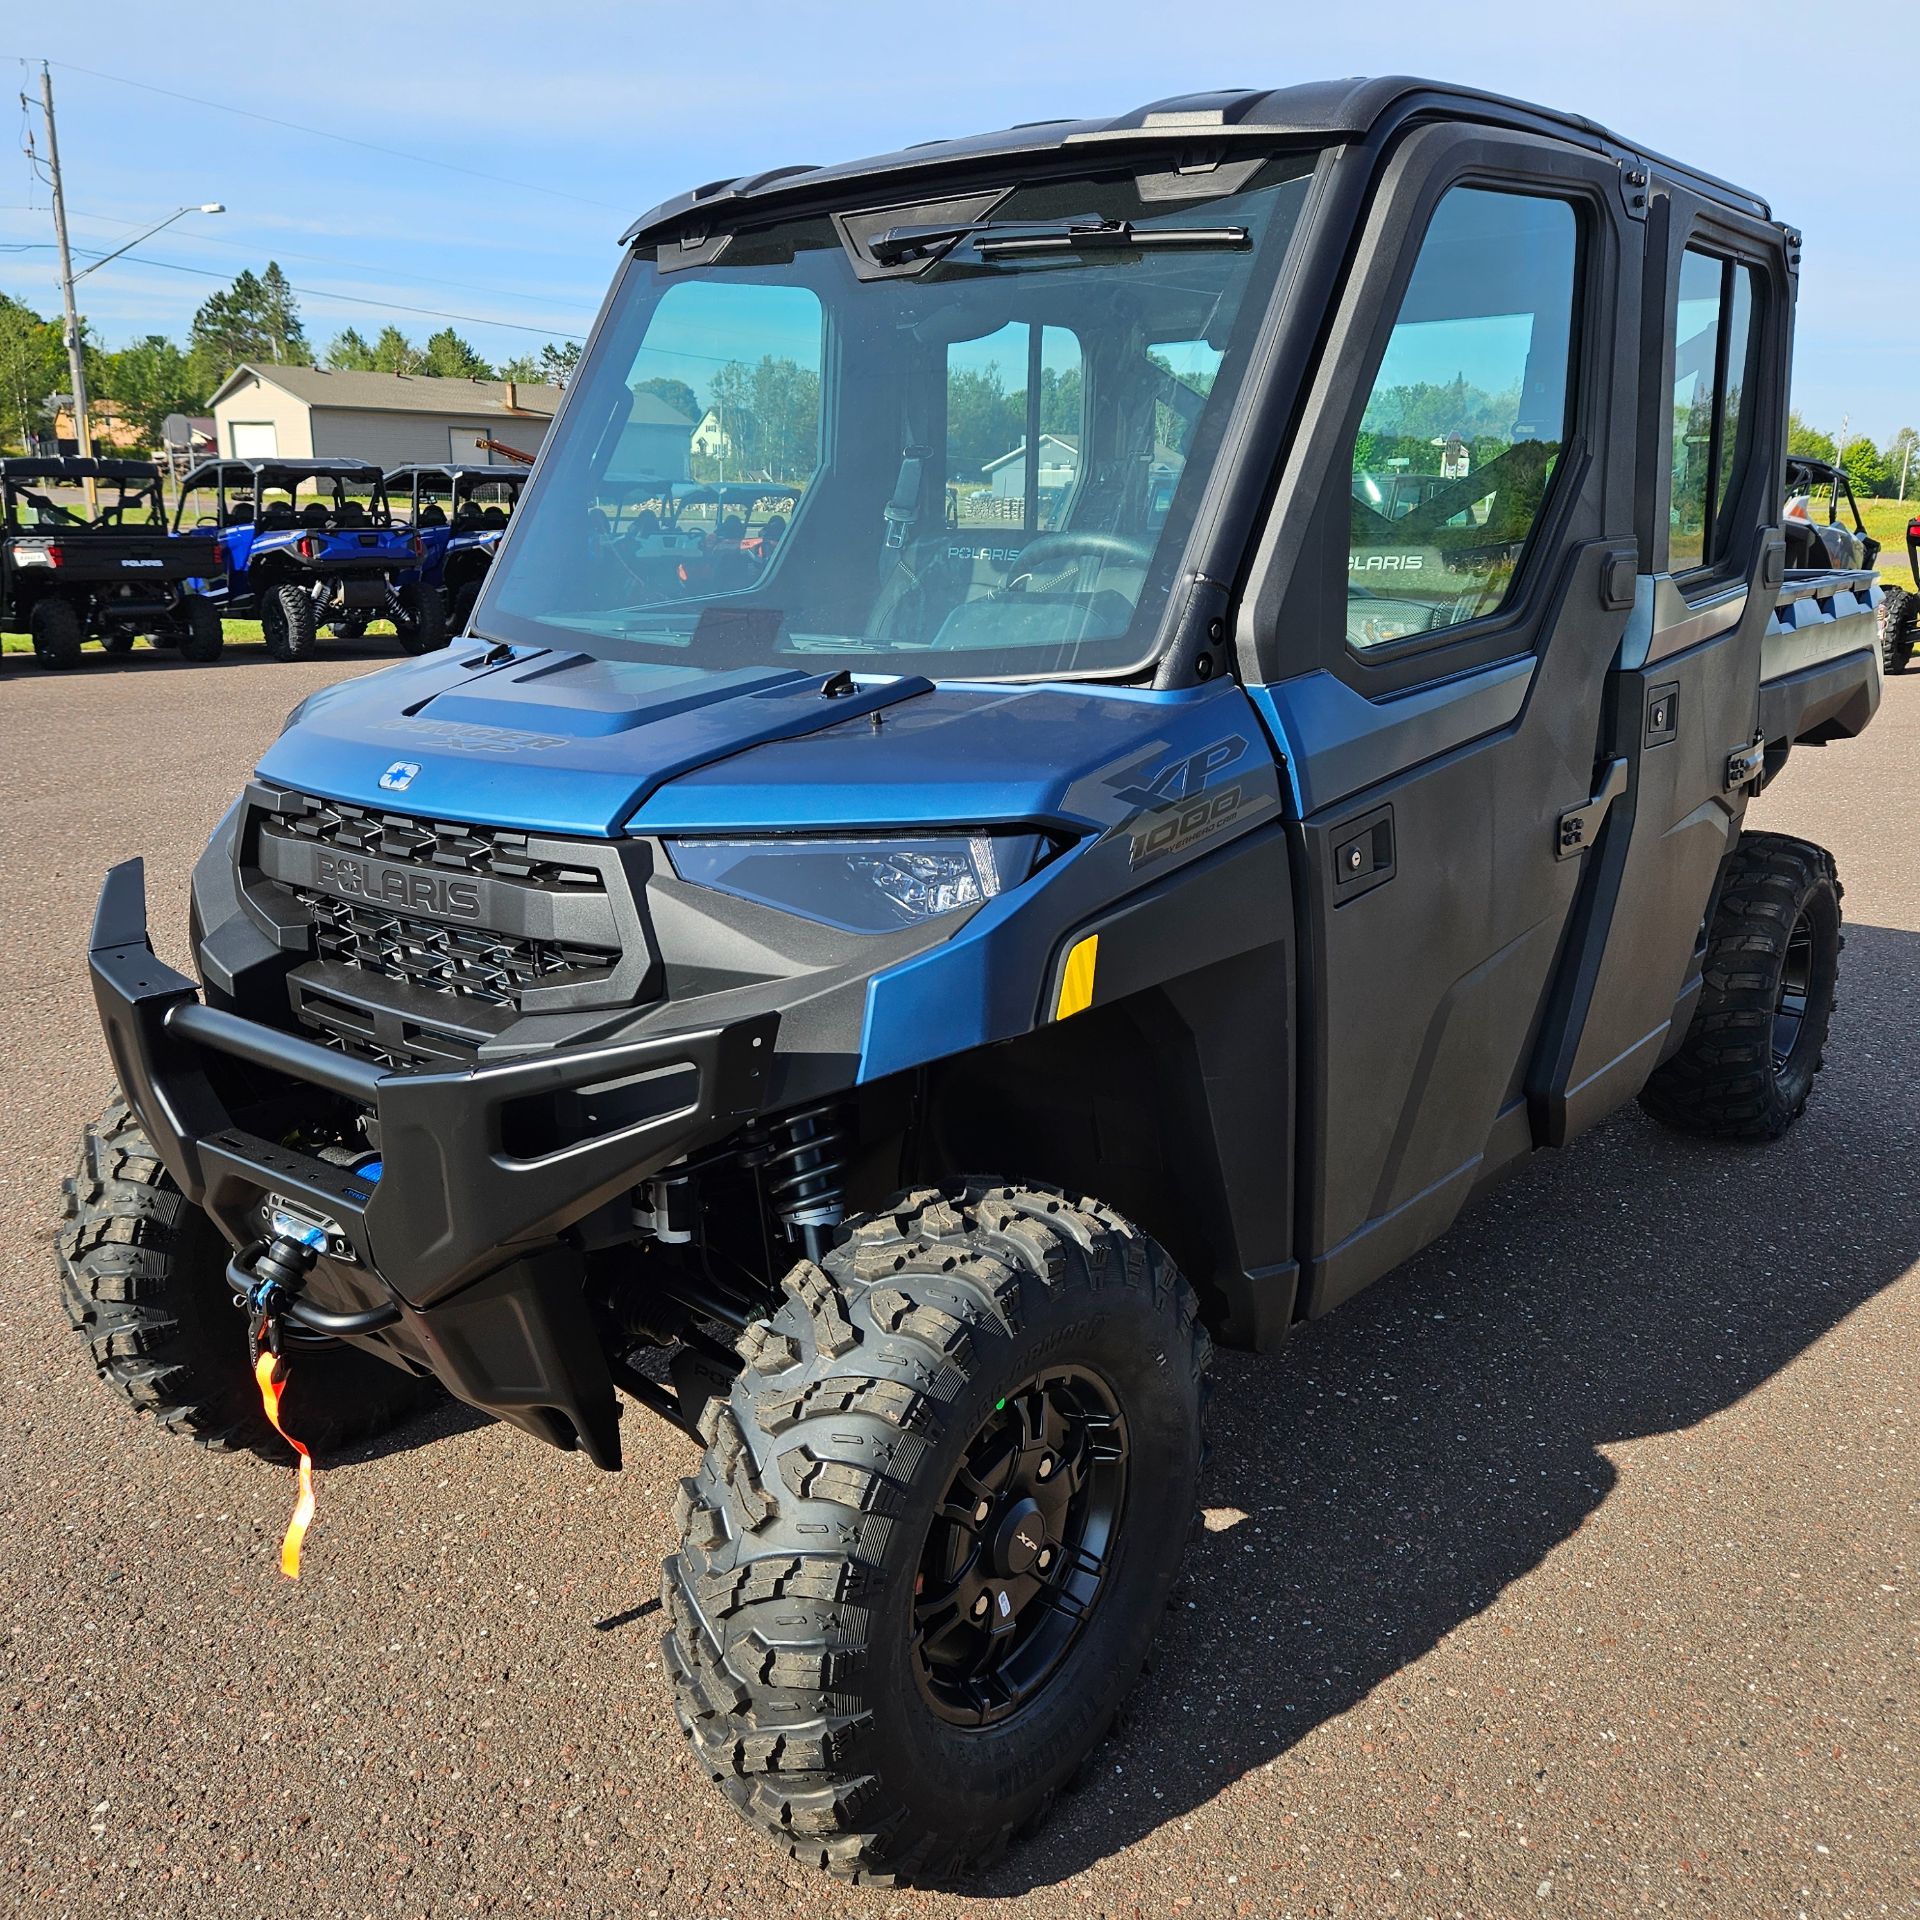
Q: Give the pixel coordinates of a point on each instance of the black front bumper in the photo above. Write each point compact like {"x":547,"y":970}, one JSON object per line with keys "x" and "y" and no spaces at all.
{"x":483,"y":1169}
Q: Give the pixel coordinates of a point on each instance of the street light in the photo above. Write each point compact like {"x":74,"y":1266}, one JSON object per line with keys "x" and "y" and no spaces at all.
{"x":206,"y":206}
{"x":76,"y":358}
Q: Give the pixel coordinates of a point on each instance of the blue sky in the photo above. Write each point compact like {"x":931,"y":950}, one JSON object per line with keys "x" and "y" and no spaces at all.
{"x":595,"y":111}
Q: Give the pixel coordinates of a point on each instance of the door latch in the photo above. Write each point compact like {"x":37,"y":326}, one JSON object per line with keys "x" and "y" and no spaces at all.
{"x":1580,"y":826}
{"x":1746,"y":764}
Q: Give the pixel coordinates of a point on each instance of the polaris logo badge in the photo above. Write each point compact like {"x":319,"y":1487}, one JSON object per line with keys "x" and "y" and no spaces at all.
{"x":400,"y":776}
{"x":143,"y":563}
{"x":1386,"y":563}
{"x":389,"y":885}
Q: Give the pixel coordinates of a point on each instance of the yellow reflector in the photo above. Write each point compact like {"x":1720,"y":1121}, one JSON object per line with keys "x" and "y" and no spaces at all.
{"x":1076,"y":983}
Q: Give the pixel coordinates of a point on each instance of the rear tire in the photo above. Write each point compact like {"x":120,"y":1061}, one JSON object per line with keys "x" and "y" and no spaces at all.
{"x":419,"y":617}
{"x":1746,"y":1068}
{"x":205,"y":636}
{"x":461,"y":618}
{"x":58,"y":633}
{"x":827,"y":1647}
{"x":287,"y":624}
{"x":143,"y":1280}
{"x":1899,"y":628}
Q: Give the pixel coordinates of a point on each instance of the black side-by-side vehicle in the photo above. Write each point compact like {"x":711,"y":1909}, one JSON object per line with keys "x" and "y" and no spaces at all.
{"x":69,"y":574}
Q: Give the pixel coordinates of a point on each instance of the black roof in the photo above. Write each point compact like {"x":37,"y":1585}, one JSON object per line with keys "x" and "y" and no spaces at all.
{"x":1321,"y":110}
{"x":1802,"y":466}
{"x":276,"y":472}
{"x":459,"y":469}
{"x":71,"y":466}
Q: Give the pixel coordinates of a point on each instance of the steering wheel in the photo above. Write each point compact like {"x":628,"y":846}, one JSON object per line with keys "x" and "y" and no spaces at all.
{"x":1058,"y":552}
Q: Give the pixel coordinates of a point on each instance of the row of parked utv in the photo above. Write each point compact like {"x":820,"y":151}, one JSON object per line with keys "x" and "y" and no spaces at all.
{"x":306,"y":547}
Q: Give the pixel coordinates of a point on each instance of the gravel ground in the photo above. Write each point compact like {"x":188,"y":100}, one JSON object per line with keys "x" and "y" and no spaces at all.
{"x":1570,"y":1572}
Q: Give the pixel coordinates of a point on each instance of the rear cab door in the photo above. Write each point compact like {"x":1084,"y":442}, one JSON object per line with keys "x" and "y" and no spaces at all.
{"x":1682,"y":702}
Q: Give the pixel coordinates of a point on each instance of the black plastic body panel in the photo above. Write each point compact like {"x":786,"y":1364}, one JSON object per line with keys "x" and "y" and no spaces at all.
{"x":483,"y":1169}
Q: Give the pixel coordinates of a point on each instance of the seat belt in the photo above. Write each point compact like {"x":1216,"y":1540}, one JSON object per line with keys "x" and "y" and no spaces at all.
{"x":903,"y":510}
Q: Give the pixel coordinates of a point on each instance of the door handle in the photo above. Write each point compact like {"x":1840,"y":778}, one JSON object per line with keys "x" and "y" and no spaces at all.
{"x":1580,"y":826}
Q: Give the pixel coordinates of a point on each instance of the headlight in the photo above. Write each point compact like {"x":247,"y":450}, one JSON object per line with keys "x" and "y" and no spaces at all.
{"x":862,"y":884}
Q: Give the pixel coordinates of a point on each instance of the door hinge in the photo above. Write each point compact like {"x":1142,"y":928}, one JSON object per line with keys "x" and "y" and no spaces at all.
{"x":1580,"y":826}
{"x":1746,"y":764}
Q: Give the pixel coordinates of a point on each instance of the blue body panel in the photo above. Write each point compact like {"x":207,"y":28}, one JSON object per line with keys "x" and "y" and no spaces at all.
{"x":568,"y":744}
{"x":360,"y":549}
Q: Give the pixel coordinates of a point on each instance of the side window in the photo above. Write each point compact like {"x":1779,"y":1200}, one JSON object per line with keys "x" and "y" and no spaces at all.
{"x":1186,"y":369}
{"x":1469,"y":412}
{"x":1709,"y":432}
{"x":999,"y":473}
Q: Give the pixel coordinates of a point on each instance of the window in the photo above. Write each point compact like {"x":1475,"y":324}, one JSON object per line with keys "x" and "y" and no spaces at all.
{"x":1467,"y":418}
{"x":978,"y":463}
{"x":1709,"y":434}
{"x":1013,"y":428}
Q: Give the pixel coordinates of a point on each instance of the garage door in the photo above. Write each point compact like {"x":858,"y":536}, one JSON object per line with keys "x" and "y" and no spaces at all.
{"x":253,"y":440}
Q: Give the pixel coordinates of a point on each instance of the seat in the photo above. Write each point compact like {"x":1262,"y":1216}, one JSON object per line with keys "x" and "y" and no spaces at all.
{"x":433,"y":514}
{"x":313,"y":514}
{"x":351,"y":514}
{"x":493,"y":517}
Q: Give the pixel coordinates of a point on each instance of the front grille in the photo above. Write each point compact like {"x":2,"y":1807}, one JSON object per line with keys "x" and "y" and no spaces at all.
{"x":563,"y":925}
{"x":444,"y":959}
{"x":486,"y":851}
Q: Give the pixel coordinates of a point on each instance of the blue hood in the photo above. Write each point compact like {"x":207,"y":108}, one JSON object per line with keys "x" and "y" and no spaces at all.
{"x":569,"y":744}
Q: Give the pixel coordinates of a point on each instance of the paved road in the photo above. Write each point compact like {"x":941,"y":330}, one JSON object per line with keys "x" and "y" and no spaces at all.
{"x":1571,"y":1572}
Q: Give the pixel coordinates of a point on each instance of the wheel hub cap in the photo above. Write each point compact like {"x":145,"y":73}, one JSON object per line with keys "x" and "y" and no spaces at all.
{"x":1019,"y":1548}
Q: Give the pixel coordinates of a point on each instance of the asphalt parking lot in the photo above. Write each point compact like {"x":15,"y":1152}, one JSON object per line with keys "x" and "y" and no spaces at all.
{"x":1572,"y":1571}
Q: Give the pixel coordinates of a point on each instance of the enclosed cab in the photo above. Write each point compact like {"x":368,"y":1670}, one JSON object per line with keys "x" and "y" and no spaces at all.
{"x":460,"y":515}
{"x":308,"y":546}
{"x":85,"y":554}
{"x":1244,"y":736}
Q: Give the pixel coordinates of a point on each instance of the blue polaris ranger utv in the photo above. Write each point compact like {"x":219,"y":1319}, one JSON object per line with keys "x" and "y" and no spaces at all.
{"x":307,"y":546}
{"x":1243,"y":736}
{"x":459,"y":515}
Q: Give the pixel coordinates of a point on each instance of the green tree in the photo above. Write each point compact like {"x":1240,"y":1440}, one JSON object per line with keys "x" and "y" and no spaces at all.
{"x":771,"y":415}
{"x":1865,"y":467}
{"x":348,"y":352}
{"x":451,"y":358}
{"x":522,"y":367}
{"x":676,"y":393}
{"x":393,"y":352}
{"x":558,"y":361}
{"x":1903,"y":463}
{"x":33,"y":364}
{"x":149,"y":379}
{"x":256,"y":318}
{"x":1809,"y":442}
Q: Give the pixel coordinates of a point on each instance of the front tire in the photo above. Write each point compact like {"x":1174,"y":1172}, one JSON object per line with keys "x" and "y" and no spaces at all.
{"x":1746,"y":1068}
{"x":206,"y":636}
{"x":143,"y":1280}
{"x":287,"y":624}
{"x":1899,"y":628}
{"x":58,"y":633}
{"x":938,"y":1519}
{"x":419,"y":617}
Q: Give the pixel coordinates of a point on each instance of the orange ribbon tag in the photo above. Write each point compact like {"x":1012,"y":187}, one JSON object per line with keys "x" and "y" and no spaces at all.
{"x":267,"y":1371}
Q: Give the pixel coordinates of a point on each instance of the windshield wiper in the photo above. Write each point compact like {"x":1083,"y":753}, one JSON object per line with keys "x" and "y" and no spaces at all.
{"x":994,"y":241}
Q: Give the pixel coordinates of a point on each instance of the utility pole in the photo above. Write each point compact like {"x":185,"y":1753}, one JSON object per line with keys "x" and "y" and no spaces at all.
{"x":76,"y":358}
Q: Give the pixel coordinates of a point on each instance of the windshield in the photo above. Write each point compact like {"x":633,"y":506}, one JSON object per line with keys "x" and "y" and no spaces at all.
{"x":53,"y":504}
{"x":829,"y":444}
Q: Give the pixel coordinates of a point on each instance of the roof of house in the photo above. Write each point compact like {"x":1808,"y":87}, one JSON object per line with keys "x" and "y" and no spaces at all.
{"x":1067,"y":442}
{"x":397,"y":392}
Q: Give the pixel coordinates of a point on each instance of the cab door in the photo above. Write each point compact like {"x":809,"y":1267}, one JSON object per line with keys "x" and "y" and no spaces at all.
{"x":1682,"y":702}
{"x":1442,"y":591}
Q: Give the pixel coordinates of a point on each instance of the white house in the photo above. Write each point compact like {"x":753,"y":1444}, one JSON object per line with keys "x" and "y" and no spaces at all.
{"x":1059,"y":467}
{"x":262,"y":411}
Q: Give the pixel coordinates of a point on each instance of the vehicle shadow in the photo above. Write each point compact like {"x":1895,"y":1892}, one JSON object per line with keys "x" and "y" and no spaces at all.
{"x":1402,"y":1462}
{"x":377,"y":649}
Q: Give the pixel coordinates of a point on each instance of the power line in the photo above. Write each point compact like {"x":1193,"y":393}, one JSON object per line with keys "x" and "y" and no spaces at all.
{"x":324,"y":293}
{"x":346,"y":140}
{"x":319,"y":259}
